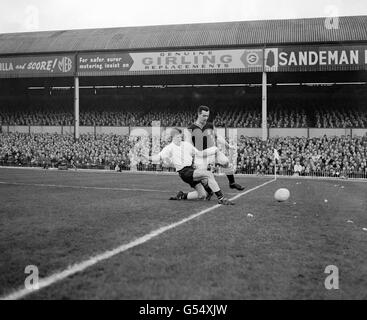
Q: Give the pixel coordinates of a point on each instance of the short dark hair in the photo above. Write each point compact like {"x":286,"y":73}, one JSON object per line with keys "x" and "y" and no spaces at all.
{"x":203,"y":108}
{"x":175,"y":131}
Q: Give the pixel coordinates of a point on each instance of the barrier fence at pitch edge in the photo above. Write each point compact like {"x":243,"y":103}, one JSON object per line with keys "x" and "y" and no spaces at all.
{"x":158,"y":168}
{"x":315,"y":174}
{"x":137,"y":131}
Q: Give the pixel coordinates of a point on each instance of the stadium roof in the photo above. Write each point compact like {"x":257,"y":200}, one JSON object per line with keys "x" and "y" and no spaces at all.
{"x":185,"y":36}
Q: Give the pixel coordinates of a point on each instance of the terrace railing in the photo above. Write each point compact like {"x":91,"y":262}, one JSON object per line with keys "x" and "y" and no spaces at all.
{"x":159,"y":168}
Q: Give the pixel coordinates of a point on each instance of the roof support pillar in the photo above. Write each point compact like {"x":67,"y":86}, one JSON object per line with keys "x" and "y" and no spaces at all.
{"x":76,"y":108}
{"x":264,"y":124}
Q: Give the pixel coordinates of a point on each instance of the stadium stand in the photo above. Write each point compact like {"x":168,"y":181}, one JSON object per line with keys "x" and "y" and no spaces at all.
{"x":240,"y":116}
{"x":234,"y":108}
{"x":299,"y":107}
{"x":327,"y":156}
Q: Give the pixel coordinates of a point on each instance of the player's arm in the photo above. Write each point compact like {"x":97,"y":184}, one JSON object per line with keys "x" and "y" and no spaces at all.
{"x":188,"y":135}
{"x":163,"y":155}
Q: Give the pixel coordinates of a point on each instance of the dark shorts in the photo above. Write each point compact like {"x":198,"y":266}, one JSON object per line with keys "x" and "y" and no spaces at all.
{"x":186,"y":174}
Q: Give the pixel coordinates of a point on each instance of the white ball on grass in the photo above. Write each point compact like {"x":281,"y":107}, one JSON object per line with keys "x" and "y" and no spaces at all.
{"x":282,"y":194}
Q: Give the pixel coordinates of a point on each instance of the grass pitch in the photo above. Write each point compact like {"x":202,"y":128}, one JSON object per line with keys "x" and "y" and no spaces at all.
{"x":257,"y":249}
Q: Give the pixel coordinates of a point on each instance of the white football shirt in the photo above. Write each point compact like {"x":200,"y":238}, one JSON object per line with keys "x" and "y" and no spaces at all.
{"x":182,"y":156}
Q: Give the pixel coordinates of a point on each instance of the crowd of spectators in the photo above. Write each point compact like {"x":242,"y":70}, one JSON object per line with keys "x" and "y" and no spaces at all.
{"x":331,"y":156}
{"x":237,"y":117}
{"x":231,"y":116}
{"x":341,"y":118}
{"x":334,"y":156}
{"x":49,"y":150}
{"x":287,"y":107}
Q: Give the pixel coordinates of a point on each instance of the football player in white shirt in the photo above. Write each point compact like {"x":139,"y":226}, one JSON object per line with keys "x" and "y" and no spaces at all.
{"x":202,"y":135}
{"x":181,"y":154}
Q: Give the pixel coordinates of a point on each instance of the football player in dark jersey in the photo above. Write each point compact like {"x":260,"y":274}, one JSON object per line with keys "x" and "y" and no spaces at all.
{"x":181,"y":155}
{"x":202,"y":135}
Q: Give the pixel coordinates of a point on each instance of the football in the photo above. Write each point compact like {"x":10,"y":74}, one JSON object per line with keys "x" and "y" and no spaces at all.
{"x":282,"y":194}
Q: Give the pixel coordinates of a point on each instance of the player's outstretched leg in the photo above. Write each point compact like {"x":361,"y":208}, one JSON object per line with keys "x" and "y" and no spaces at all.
{"x":225,"y":201}
{"x":199,"y":193}
{"x":223,"y":161}
{"x":234,"y":185}
{"x":200,"y":175}
{"x":179,"y":196}
{"x":209,"y":192}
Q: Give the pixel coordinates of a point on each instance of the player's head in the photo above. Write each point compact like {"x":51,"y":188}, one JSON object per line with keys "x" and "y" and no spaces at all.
{"x":203,"y":114}
{"x":176,"y":135}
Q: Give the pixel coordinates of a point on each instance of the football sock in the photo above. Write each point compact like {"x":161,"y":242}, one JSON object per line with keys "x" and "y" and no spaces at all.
{"x":230,"y":178}
{"x":208,"y":190}
{"x":219,"y":195}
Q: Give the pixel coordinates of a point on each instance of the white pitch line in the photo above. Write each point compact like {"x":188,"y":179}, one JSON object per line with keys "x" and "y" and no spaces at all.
{"x":85,"y":187}
{"x":81,"y":266}
{"x":79,"y":187}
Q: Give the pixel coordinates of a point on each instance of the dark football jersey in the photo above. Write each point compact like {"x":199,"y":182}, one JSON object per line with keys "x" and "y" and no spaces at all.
{"x":202,"y":138}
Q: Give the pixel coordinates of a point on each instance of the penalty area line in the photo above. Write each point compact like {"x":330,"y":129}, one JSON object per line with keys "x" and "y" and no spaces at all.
{"x":81,"y":266}
{"x":79,"y":187}
{"x":41,"y":185}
